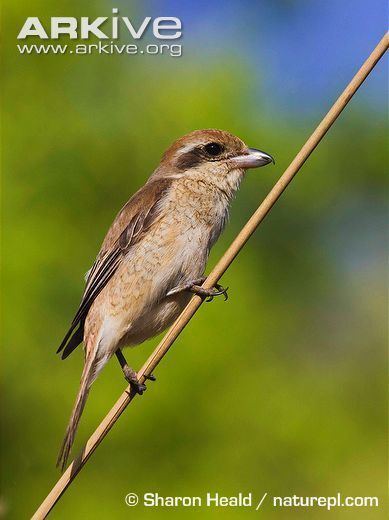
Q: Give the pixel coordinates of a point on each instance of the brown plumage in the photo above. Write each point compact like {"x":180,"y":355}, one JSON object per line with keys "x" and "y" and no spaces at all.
{"x":155,"y":253}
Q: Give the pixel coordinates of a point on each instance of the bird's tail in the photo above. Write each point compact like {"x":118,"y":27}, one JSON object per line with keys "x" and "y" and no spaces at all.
{"x":87,"y":378}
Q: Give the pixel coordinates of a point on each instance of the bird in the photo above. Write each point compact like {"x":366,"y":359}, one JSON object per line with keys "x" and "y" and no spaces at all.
{"x":153,"y":257}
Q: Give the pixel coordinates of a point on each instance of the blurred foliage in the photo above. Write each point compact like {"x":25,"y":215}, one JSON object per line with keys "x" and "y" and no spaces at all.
{"x":282,"y":388}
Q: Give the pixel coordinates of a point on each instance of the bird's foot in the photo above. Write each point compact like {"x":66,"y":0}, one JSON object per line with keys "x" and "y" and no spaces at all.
{"x":209,"y":294}
{"x":132,"y":377}
{"x":195,"y":287}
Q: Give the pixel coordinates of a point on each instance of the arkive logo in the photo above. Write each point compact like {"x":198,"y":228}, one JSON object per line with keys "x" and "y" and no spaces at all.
{"x":163,"y":27}
{"x":102,"y":28}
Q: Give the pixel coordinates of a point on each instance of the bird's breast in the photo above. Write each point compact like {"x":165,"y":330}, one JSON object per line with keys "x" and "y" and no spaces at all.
{"x":172,"y":252}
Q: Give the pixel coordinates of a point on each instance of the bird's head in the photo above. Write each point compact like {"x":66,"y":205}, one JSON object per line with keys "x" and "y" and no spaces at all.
{"x":211,"y":155}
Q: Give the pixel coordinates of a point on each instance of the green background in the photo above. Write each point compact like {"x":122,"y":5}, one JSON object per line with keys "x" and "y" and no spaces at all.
{"x":282,"y":389}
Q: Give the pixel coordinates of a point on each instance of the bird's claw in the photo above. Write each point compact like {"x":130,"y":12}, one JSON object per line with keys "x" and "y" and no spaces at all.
{"x":219,"y":291}
{"x":136,"y":385}
{"x":209,"y":294}
{"x":196,"y":288}
{"x":132,"y":378}
{"x":139,"y":387}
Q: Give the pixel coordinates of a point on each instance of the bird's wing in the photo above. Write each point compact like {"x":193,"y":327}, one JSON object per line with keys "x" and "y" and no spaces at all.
{"x":135,"y":218}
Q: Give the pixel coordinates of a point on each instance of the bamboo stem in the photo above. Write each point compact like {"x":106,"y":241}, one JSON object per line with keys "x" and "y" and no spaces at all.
{"x":220,"y":268}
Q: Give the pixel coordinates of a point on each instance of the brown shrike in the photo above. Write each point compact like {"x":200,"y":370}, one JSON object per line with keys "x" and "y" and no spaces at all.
{"x":154,"y":254}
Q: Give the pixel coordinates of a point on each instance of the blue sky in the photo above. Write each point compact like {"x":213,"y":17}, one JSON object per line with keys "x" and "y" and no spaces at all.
{"x":301,"y":53}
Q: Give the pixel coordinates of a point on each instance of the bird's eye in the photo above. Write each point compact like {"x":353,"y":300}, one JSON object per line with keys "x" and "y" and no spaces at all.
{"x":213,"y":149}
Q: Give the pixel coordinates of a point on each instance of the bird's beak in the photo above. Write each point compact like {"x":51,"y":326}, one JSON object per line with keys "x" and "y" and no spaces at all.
{"x":253,"y":158}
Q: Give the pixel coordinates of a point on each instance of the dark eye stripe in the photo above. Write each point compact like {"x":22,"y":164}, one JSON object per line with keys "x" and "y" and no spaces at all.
{"x":199,"y":154}
{"x":189,"y":160}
